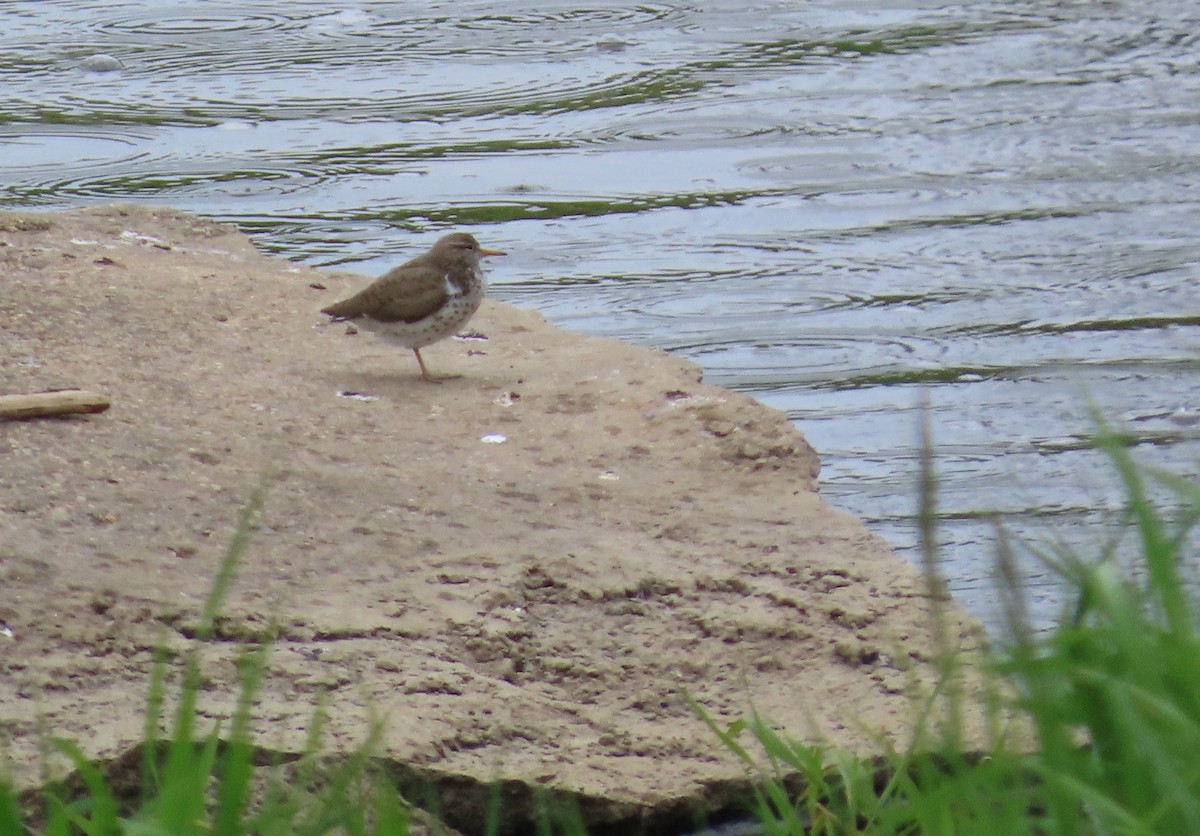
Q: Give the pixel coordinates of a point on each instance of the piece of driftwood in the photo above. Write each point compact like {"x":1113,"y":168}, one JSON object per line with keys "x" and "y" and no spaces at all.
{"x":43,"y":404}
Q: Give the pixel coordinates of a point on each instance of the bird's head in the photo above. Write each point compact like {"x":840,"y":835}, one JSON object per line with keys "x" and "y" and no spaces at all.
{"x":462,"y":248}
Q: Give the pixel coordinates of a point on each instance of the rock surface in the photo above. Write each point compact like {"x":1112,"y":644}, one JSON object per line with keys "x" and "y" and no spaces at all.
{"x":521,"y":570}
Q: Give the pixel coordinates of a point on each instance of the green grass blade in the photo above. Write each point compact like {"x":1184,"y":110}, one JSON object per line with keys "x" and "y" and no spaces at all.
{"x":391,"y":816}
{"x":227,"y":571}
{"x":10,"y":810}
{"x":60,"y":817}
{"x":495,"y":802}
{"x":150,"y":731}
{"x":1156,"y":546}
{"x":236,"y":766}
{"x":727,"y":737}
{"x":103,"y":819}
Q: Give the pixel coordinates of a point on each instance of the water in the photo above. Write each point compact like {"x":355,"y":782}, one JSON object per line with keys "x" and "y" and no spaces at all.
{"x":835,"y":206}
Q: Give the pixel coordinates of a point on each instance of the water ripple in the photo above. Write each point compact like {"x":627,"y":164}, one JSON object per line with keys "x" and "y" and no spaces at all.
{"x":154,"y":24}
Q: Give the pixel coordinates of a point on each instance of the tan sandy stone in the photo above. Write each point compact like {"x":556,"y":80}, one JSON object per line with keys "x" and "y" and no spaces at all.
{"x":533,"y":609}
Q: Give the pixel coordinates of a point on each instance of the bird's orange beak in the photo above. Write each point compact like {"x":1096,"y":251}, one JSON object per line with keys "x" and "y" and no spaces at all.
{"x":492,"y":252}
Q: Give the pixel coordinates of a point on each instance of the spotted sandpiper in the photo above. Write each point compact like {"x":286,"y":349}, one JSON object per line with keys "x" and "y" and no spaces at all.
{"x":423,"y":300}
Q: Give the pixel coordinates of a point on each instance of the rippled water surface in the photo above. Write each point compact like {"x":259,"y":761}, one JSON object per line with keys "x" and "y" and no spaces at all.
{"x":834,"y":206}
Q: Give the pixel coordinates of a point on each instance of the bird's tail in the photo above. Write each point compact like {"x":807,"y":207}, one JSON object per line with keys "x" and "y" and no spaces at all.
{"x":342,"y":310}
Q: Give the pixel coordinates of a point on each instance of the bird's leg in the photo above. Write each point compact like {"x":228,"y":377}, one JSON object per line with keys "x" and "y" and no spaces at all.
{"x":426,"y":376}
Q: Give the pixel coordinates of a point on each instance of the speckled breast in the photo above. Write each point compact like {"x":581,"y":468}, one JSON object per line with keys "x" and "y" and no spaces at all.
{"x":450,"y":318}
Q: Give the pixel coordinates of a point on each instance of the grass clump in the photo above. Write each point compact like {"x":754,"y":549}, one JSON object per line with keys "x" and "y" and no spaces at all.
{"x":1109,"y":699}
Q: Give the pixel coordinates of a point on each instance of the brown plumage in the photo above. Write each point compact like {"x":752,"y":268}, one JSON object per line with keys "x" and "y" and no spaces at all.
{"x":423,"y":300}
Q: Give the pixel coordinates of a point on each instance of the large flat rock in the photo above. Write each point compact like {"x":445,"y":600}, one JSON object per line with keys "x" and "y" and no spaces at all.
{"x":521,"y":570}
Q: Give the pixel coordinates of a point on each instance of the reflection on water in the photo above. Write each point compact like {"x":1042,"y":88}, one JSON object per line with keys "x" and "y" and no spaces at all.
{"x":832,"y":205}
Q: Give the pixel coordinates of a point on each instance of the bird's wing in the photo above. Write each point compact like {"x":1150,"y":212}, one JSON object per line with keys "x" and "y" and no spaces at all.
{"x":405,"y":294}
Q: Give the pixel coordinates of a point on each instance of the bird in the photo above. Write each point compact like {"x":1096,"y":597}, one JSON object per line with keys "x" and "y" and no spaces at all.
{"x":423,"y":300}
